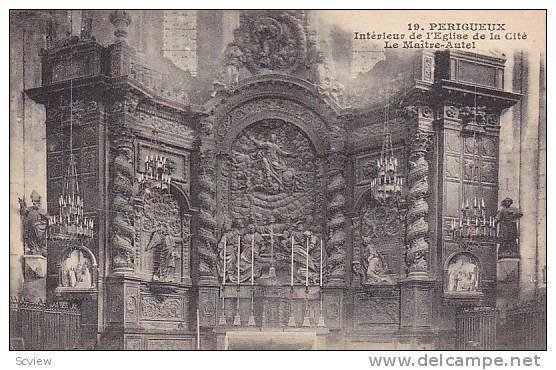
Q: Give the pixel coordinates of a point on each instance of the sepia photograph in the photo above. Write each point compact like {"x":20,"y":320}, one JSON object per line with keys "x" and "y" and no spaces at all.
{"x":269,"y":179}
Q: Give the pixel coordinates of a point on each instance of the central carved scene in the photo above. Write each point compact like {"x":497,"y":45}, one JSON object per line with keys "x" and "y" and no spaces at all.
{"x":273,"y":207}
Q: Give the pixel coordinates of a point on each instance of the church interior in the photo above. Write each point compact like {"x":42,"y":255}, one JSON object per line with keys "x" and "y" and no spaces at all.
{"x":258,"y":179}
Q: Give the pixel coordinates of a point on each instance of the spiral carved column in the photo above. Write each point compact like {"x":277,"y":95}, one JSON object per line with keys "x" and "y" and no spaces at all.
{"x":207,"y":208}
{"x":418,"y":208}
{"x":121,"y":195}
{"x":336,"y":248}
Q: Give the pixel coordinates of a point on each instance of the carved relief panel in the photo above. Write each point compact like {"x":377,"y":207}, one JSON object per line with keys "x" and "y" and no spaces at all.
{"x":271,"y":178}
{"x":163,"y":237}
{"x":378,"y":243}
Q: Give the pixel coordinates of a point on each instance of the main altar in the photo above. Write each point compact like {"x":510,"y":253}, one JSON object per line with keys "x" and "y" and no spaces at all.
{"x":248,"y":217}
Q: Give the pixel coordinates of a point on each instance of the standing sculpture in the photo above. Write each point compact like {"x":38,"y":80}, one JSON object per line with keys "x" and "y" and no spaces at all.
{"x":507,"y":218}
{"x":234,"y":60}
{"x":165,"y":253}
{"x":34,"y":220}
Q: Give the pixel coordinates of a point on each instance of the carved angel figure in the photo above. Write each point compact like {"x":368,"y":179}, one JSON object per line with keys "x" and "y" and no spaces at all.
{"x":272,"y":157}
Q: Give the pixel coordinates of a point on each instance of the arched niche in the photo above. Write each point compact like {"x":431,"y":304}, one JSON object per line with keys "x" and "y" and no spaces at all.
{"x":163,"y":234}
{"x":378,"y":247}
{"x":77,"y":270}
{"x":462,"y":274}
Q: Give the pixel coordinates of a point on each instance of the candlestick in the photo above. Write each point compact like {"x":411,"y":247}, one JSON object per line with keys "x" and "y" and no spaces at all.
{"x":224,"y":258}
{"x":238,"y":256}
{"x":320,"y":277}
{"x":291,"y":267}
{"x":253,"y":260}
{"x":307,"y":263}
{"x":198,"y":332}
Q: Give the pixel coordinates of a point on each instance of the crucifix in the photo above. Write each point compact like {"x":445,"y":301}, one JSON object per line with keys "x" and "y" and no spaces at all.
{"x":271,"y":234}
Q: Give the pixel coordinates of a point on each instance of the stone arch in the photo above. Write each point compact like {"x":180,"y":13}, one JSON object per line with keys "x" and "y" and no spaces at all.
{"x":297,"y":102}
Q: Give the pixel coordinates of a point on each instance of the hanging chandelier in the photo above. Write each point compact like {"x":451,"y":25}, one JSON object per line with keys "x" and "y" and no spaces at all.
{"x":473,"y":226}
{"x":70,"y":222}
{"x":387,"y":184}
{"x":157,"y":169}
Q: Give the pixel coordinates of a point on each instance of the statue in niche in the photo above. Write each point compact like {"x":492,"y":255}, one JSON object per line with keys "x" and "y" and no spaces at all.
{"x":374,"y":268}
{"x":163,"y":234}
{"x":274,"y":165}
{"x":463,"y":275}
{"x":165,"y":253}
{"x":506,"y":219}
{"x":76,"y":271}
{"x":34,"y":223}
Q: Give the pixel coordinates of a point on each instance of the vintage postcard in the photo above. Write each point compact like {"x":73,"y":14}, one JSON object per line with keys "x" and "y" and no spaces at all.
{"x":277,"y":179}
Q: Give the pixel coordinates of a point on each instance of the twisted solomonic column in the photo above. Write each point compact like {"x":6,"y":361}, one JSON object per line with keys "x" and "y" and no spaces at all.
{"x":417,"y":233}
{"x":336,"y":246}
{"x":122,"y":230}
{"x":207,"y":208}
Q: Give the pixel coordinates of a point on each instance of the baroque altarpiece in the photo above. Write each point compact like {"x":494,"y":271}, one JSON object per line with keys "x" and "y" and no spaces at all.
{"x":264,"y":231}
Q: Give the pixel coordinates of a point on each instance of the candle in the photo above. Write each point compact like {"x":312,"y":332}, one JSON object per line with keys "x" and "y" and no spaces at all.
{"x":307,"y":263}
{"x":320,"y":278}
{"x":291,"y":267}
{"x":238,"y":255}
{"x":224,"y":258}
{"x":466,"y":203}
{"x":253,"y":260}
{"x":198,"y":332}
{"x":483,"y":202}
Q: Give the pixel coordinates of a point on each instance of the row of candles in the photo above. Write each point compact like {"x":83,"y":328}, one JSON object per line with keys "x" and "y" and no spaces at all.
{"x":155,"y":169}
{"x":292,"y":265}
{"x":473,"y":221}
{"x":71,"y":219}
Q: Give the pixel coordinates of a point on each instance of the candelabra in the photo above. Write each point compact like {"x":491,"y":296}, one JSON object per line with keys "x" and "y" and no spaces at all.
{"x":387,"y":183}
{"x":473,"y":226}
{"x":70,"y":221}
{"x":157,"y":171}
